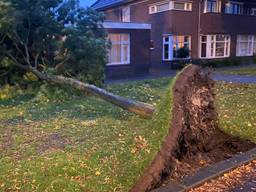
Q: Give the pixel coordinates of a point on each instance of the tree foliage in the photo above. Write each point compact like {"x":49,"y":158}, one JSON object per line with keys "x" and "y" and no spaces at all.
{"x":56,"y":36}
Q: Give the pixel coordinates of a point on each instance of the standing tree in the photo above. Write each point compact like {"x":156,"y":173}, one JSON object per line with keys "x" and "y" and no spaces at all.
{"x":61,"y":43}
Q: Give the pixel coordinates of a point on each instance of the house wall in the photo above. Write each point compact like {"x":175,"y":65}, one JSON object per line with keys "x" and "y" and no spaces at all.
{"x":191,"y":23}
{"x":139,"y":54}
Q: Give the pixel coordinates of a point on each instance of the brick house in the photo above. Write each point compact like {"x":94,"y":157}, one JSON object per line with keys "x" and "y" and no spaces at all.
{"x":152,"y":34}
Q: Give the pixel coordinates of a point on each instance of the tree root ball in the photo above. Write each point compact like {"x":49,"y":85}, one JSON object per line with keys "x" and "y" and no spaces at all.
{"x":194,"y":137}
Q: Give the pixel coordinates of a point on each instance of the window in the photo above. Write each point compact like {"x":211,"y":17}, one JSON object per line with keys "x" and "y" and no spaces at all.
{"x":215,"y":46}
{"x":212,"y":6}
{"x":126,"y":14}
{"x":245,"y":45}
{"x":120,"y":50}
{"x":176,"y":47}
{"x":253,"y":11}
{"x":234,"y":8}
{"x":163,"y":7}
{"x":254,"y":45}
{"x":182,"y":6}
{"x":170,"y":5}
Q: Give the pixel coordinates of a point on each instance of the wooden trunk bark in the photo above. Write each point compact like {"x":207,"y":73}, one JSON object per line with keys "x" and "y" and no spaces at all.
{"x":142,"y":109}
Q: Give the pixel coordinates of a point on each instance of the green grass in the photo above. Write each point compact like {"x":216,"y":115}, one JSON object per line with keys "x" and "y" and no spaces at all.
{"x":61,"y":142}
{"x":237,"y":113}
{"x":52,"y":140}
{"x":241,"y":71}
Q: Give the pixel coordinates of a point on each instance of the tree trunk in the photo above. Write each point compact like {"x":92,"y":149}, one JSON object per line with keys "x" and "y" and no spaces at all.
{"x":139,"y":108}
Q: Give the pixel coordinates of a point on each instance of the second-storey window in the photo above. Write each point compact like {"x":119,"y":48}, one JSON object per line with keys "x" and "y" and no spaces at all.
{"x":120,"y":50}
{"x":126,"y":14}
{"x":212,"y":6}
{"x":234,"y":8}
{"x":176,"y":47}
{"x":182,"y":6}
{"x":245,"y":45}
{"x":170,"y":5}
{"x":215,"y":46}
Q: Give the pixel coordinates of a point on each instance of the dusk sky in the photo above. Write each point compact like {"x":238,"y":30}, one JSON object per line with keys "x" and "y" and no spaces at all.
{"x":87,"y":2}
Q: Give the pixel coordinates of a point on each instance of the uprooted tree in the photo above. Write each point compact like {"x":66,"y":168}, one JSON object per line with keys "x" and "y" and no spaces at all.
{"x":60,"y":43}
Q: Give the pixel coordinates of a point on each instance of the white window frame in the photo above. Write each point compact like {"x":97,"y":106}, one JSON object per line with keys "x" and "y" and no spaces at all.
{"x":250,"y":45}
{"x":241,"y":8}
{"x":211,"y":42}
{"x":218,"y":9}
{"x":153,"y":8}
{"x":170,"y":44}
{"x":253,"y":12}
{"x":121,"y":42}
{"x":126,"y":14}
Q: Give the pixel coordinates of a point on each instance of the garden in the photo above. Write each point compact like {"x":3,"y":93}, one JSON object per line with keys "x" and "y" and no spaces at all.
{"x":63,"y":129}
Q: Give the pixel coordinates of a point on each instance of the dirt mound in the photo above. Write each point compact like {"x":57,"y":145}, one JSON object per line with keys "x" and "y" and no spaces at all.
{"x":194,"y":139}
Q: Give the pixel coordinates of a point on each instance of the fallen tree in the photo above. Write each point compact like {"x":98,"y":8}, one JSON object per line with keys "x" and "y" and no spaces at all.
{"x":60,"y":43}
{"x":139,"y":108}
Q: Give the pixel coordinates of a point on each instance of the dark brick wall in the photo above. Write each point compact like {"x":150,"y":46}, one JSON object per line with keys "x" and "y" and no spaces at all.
{"x":186,"y":23}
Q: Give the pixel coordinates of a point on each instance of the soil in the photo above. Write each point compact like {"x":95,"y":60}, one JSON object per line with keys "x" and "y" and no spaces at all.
{"x":194,"y":139}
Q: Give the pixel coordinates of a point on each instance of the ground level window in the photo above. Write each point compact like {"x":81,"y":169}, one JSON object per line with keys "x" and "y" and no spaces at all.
{"x":254,"y":45}
{"x":215,"y":46}
{"x":245,"y":45}
{"x":120,"y":49}
{"x":176,"y":47}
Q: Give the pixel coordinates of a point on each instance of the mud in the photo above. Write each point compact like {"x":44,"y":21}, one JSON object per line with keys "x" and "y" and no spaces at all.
{"x":194,"y":139}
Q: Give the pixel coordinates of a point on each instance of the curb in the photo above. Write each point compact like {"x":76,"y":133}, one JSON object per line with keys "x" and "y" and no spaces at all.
{"x":209,"y":172}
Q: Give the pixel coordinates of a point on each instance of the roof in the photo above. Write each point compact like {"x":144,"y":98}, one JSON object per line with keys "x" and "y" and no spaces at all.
{"x":103,"y":4}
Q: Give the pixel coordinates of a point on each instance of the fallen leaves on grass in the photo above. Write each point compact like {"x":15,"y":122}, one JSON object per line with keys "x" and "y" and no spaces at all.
{"x":230,"y":180}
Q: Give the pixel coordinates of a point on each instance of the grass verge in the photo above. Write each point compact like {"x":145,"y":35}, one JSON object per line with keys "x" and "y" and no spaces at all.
{"x":67,"y":142}
{"x":54,"y":141}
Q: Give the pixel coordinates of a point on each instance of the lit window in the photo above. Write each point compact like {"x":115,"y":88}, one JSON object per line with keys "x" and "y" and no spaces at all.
{"x":120,"y":50}
{"x":176,"y":47}
{"x":212,"y":6}
{"x":215,"y":46}
{"x":126,"y":14}
{"x":234,"y":8}
{"x":245,"y":45}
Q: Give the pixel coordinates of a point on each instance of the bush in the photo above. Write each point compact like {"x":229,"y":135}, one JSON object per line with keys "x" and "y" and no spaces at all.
{"x":183,"y":52}
{"x":55,"y":93}
{"x":235,"y":61}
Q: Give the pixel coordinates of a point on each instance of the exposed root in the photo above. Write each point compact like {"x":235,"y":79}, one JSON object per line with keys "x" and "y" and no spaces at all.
{"x":194,"y":139}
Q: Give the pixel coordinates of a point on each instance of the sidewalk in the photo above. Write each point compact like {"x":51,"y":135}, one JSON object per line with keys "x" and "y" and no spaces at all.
{"x":142,"y":77}
{"x":234,"y":78}
{"x":171,"y":73}
{"x":241,"y":167}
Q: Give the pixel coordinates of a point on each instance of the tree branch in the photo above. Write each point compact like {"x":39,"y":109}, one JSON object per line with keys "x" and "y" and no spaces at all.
{"x":36,"y":60}
{"x":5,"y":73}
{"x":62,"y":63}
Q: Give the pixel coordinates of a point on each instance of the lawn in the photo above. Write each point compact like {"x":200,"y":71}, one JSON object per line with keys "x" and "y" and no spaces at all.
{"x":53,"y":140}
{"x":241,"y":71}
